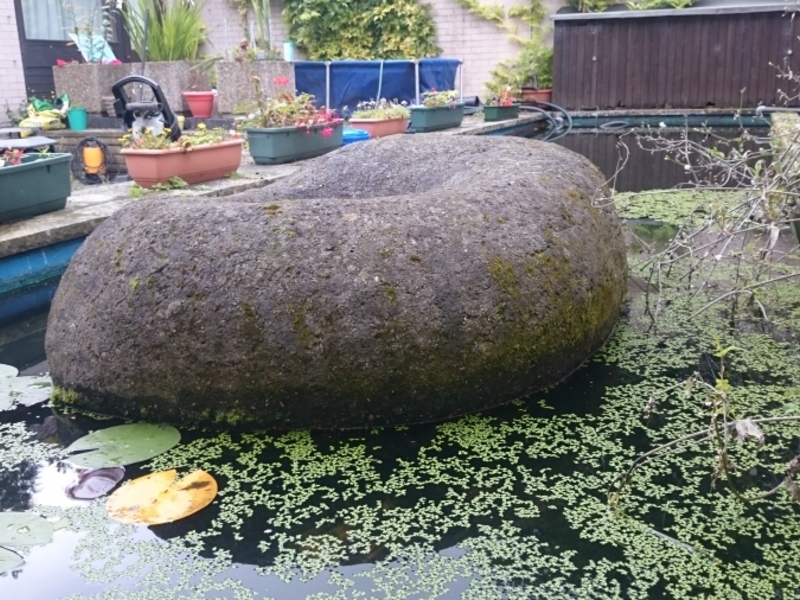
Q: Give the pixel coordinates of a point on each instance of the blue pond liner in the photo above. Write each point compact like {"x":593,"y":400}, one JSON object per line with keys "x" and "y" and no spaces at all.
{"x":36,"y":266}
{"x":351,"y":135}
{"x":353,"y":81}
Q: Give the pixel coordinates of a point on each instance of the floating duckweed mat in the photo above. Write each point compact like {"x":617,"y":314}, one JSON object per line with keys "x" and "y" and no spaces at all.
{"x":507,"y":504}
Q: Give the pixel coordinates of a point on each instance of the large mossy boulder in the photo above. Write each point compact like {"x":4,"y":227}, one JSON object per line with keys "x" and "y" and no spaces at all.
{"x":406,"y":279}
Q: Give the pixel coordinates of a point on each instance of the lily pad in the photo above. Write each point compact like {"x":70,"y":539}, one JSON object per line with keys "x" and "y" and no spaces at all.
{"x":122,"y":445}
{"x":9,"y":560}
{"x":161,"y":497}
{"x":8,"y":371}
{"x":95,"y":483}
{"x":24,"y":529}
{"x":26,"y":390}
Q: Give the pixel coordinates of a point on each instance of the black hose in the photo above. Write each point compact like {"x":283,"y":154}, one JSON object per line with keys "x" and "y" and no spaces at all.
{"x":556,"y":108}
{"x":555,"y":130}
{"x":108,"y":165}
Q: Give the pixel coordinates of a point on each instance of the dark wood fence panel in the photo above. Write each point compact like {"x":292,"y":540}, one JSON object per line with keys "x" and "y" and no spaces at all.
{"x":693,"y":61}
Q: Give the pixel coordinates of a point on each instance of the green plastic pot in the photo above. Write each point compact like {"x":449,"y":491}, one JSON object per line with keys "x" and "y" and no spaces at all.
{"x":500,"y":113}
{"x":424,"y":118}
{"x":278,"y":145}
{"x":41,"y":184}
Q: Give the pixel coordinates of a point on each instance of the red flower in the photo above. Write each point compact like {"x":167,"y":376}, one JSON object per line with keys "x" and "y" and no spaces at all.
{"x":281,"y":81}
{"x":327,"y":132}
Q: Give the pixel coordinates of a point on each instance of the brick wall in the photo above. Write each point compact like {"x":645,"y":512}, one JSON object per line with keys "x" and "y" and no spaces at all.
{"x":225,"y":28}
{"x":12,"y":79}
{"x":481,"y":44}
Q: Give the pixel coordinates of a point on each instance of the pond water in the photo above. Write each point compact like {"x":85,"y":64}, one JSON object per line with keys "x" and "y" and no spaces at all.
{"x":508,"y":503}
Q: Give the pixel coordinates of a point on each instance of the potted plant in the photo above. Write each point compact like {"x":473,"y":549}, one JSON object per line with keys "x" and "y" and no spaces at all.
{"x":501,"y":104}
{"x":155,"y":159}
{"x":531,"y":72}
{"x":170,"y":36}
{"x":539,"y":87}
{"x":33,"y":184}
{"x":289,"y":127}
{"x":381,"y":117}
{"x":199,"y":96}
{"x":439,"y":110}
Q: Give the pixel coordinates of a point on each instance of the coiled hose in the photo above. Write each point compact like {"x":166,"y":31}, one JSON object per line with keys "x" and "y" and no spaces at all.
{"x":99,"y":169}
{"x":558,"y":126}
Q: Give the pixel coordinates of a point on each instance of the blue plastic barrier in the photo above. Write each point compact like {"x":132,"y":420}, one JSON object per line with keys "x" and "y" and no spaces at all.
{"x":354,"y":81}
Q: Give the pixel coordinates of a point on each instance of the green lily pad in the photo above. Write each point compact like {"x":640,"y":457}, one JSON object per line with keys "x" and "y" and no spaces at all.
{"x":22,"y":390}
{"x":24,"y":529}
{"x":8,"y":371}
{"x":123,"y":445}
{"x":9,"y":560}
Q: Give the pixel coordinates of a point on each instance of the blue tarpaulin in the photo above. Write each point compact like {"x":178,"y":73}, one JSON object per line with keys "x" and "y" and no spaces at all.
{"x":354,"y":81}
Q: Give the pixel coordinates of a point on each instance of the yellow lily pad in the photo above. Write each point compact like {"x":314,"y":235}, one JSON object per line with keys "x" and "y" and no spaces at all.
{"x":161,"y":497}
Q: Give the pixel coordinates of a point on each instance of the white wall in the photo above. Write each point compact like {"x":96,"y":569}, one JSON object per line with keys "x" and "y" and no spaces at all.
{"x":12,"y":78}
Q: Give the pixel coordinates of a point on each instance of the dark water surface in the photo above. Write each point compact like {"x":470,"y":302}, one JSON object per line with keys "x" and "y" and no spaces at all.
{"x":509,"y":503}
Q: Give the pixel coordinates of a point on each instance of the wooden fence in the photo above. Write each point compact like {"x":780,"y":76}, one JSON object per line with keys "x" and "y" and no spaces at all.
{"x":690,"y":58}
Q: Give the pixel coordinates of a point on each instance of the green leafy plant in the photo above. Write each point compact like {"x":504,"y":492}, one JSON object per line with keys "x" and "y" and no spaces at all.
{"x":590,"y":5}
{"x":148,"y":140}
{"x":500,"y":95}
{"x":651,"y":4}
{"x":173,"y":183}
{"x":286,"y":109}
{"x":434,"y":98}
{"x":260,"y":11}
{"x":244,"y":52}
{"x":381,"y":109}
{"x":362,"y":29}
{"x":17,"y":114}
{"x":532,"y":68}
{"x":175,"y":30}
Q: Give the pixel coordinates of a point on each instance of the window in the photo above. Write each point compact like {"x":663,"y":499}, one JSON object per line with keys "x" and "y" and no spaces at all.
{"x":56,"y":19}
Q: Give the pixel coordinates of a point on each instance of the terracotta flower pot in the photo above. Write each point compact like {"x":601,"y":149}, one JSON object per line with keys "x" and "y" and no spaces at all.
{"x":200,"y":103}
{"x":195,"y":165}
{"x":378,"y":128}
{"x":536,"y":95}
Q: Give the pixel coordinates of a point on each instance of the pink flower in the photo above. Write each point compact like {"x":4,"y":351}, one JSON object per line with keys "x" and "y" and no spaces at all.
{"x":327,"y":132}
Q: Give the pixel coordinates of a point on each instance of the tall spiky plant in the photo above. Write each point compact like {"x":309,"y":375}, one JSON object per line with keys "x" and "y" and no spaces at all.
{"x":175,"y":30}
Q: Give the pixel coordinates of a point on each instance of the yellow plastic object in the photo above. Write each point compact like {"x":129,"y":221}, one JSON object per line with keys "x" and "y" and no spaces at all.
{"x":93,"y":161}
{"x":42,"y":122}
{"x":161,"y":497}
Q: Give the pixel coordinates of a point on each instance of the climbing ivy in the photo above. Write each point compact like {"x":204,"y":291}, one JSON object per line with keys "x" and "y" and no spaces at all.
{"x":362,"y":29}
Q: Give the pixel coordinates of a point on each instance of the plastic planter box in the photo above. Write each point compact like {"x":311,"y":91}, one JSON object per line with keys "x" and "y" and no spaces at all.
{"x":500,"y":113}
{"x":41,"y":184}
{"x":424,"y":119}
{"x":199,"y":164}
{"x":278,"y":145}
{"x":378,"y":128}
